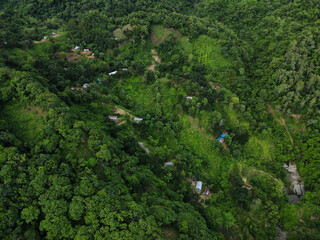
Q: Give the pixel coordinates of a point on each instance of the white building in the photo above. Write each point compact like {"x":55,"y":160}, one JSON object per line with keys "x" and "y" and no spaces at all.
{"x":114,"y":118}
{"x":76,"y":48}
{"x":112,"y":73}
{"x":199,"y":186}
{"x":189,"y":97}
{"x":86,"y":50}
{"x":86,"y":85}
{"x":45,"y":38}
{"x":168,"y":164}
{"x":124,"y":69}
{"x":136,"y":119}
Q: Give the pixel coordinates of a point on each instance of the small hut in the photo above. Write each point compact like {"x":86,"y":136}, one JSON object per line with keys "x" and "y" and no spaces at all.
{"x":113,"y":118}
{"x":199,"y":186}
{"x":136,"y":119}
{"x":168,"y":164}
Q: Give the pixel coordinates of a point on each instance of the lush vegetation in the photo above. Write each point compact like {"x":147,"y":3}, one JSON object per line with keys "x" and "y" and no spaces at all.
{"x":250,"y":70}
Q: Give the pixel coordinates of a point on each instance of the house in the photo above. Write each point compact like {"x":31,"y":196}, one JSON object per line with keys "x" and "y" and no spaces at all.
{"x":206,"y":191}
{"x":136,"y":119}
{"x":189,"y":97}
{"x":220,"y":139}
{"x":76,"y":48}
{"x":223,"y":135}
{"x":199,"y":186}
{"x":116,"y":38}
{"x":92,"y":54}
{"x":99,"y":80}
{"x":86,"y":85}
{"x":113,"y":118}
{"x":53,"y":34}
{"x":114,"y":110}
{"x":124,"y":69}
{"x":168,"y":164}
{"x":45,"y":38}
{"x":112,"y":73}
{"x":86,"y":50}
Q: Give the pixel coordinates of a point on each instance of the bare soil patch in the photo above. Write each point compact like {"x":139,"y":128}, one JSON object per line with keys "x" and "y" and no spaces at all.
{"x":155,"y":56}
{"x":152,"y":67}
{"x":71,"y":57}
{"x":87,"y":54}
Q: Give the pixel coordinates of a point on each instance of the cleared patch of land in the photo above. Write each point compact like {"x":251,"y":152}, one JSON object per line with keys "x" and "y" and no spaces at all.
{"x":70,"y":57}
{"x":160,"y":33}
{"x":44,"y":40}
{"x":119,"y":32}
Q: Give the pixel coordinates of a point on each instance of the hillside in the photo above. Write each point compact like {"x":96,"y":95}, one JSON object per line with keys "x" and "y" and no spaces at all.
{"x":163,"y":120}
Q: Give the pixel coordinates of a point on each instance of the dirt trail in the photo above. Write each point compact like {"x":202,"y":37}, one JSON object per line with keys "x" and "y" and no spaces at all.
{"x":156,"y":58}
{"x":44,"y":40}
{"x":268,"y":174}
{"x":281,"y":121}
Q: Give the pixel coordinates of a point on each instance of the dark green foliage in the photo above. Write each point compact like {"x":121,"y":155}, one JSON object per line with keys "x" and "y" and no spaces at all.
{"x":68,"y":171}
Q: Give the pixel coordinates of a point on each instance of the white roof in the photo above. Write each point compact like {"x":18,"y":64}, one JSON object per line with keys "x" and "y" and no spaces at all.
{"x":124,"y":69}
{"x":199,"y":186}
{"x":86,"y":85}
{"x":86,"y":50}
{"x":113,"y":73}
{"x":168,"y":163}
{"x":138,"y":119}
{"x":189,"y":97}
{"x":45,"y":38}
{"x":76,"y":47}
{"x":113,"y":117}
{"x":54,"y":33}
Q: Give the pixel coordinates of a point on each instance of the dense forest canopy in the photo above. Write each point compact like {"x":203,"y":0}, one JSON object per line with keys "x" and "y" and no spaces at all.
{"x":170,"y":119}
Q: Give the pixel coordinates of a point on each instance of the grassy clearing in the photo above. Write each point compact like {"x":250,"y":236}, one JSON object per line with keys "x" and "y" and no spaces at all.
{"x":200,"y":142}
{"x":141,"y":54}
{"x":118,"y":33}
{"x":145,"y":96}
{"x":159,"y":34}
{"x":235,"y":119}
{"x":208,"y":51}
{"x":25,"y":123}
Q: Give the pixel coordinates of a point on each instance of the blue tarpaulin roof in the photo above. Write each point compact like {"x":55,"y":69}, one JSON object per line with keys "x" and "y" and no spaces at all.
{"x":218,"y":138}
{"x":223,"y":135}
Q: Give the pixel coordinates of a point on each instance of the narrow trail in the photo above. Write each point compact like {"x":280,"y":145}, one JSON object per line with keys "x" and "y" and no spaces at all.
{"x":269,"y":175}
{"x":281,"y":121}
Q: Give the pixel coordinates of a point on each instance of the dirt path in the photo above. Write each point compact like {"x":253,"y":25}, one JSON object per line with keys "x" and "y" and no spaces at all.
{"x":156,"y":58}
{"x":268,"y":174}
{"x":44,"y":40}
{"x":144,"y":147}
{"x":281,"y":121}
